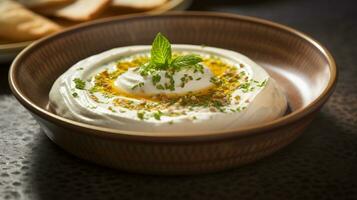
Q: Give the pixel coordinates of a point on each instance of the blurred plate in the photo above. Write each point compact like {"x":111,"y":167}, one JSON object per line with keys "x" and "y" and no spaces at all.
{"x":8,"y":51}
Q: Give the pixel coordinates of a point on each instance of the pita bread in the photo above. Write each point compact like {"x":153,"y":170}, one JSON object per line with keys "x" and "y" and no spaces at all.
{"x":36,"y":4}
{"x":19,"y":24}
{"x":137,"y":4}
{"x":79,"y":10}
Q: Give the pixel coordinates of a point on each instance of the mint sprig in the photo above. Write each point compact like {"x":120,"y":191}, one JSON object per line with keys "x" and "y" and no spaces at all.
{"x":161,"y":58}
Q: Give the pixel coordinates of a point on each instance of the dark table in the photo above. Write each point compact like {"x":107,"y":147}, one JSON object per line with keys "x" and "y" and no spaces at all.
{"x":321,"y":164}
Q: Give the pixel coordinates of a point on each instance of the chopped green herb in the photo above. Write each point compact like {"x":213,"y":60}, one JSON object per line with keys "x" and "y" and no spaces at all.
{"x":80,"y":84}
{"x":112,"y":109}
{"x":262,"y":84}
{"x":245,"y":87}
{"x":93,"y":89}
{"x":140,"y":115}
{"x":141,"y":84}
{"x":160,"y":87}
{"x":155,"y":79}
{"x":75,"y":94}
{"x":92,"y":107}
{"x":215,"y":81}
{"x":157,"y":115}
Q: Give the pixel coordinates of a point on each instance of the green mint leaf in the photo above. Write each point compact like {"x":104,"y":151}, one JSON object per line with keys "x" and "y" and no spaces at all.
{"x":161,"y":50}
{"x":185,"y":61}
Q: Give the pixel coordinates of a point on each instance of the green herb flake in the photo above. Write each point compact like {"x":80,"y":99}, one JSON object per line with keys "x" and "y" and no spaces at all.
{"x":155,"y":79}
{"x":93,"y":89}
{"x":140,"y":115}
{"x":215,"y":81}
{"x":80,"y":84}
{"x":141,"y":84}
{"x":75,"y":94}
{"x":263,"y":83}
{"x":92,"y":107}
{"x":245,"y":87}
{"x":112,"y":109}
{"x":160,"y":87}
{"x":157,"y":115}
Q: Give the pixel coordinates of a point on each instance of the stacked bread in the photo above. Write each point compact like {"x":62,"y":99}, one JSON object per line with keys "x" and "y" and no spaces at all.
{"x":24,"y":20}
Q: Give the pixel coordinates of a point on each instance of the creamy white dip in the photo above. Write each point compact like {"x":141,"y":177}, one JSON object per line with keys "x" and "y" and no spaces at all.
{"x":258,"y":99}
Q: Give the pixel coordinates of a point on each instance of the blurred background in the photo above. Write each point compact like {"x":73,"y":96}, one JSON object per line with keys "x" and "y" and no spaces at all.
{"x":24,"y":21}
{"x":319,"y":165}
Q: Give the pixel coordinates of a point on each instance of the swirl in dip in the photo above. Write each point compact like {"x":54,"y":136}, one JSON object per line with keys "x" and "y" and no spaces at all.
{"x":195,"y":88}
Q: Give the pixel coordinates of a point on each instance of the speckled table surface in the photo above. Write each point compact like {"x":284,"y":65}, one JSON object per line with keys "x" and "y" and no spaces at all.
{"x":321,"y":164}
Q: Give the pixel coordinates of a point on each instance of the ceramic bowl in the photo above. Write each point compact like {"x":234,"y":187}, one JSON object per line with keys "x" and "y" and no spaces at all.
{"x":301,"y":66}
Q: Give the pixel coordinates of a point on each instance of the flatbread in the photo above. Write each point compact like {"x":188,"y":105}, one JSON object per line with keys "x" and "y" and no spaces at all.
{"x":36,"y":4}
{"x":137,"y":4}
{"x":19,"y":24}
{"x":79,"y":10}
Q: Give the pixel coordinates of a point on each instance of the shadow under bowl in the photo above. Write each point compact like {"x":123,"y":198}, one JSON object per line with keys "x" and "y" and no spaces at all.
{"x":302,"y":67}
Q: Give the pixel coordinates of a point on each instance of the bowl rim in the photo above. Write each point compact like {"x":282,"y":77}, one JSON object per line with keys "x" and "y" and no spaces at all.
{"x":248,"y":131}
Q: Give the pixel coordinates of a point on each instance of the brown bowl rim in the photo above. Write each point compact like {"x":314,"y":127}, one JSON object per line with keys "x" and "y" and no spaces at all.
{"x":175,"y":137}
